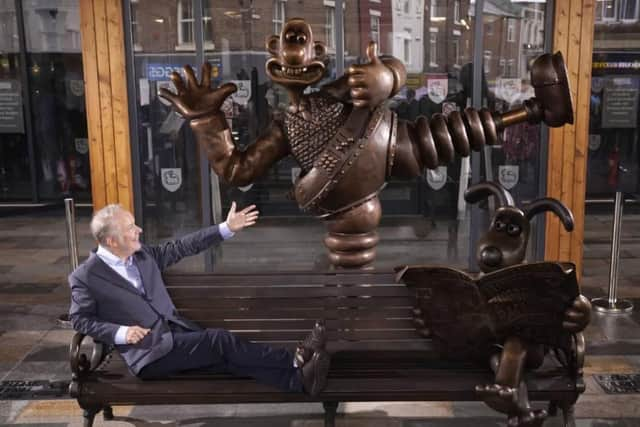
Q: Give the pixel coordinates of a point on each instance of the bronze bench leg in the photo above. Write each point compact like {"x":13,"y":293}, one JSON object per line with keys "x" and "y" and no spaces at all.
{"x":107,"y":413}
{"x":89,"y":414}
{"x":568,"y":415}
{"x":568,"y":412}
{"x":330,"y":410}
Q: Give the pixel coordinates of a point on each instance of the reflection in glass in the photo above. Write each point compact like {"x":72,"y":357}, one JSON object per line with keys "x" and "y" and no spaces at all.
{"x":169,"y":158}
{"x":514,"y":37}
{"x":54,"y":56}
{"x":613,"y":148}
{"x":15,"y":179}
{"x":433,"y":39}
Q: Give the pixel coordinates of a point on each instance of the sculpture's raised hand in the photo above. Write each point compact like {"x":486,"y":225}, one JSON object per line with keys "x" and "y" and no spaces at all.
{"x":194,"y":99}
{"x":370,"y":84}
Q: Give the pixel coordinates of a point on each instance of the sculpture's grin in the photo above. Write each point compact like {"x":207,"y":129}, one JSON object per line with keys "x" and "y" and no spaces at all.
{"x":299,"y":76}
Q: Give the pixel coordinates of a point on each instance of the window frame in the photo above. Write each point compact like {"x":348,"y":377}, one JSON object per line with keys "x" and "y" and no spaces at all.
{"x":434,"y":8}
{"x":374,"y":16}
{"x":433,"y":48}
{"x":511,"y":30}
{"x":278,"y":22}
{"x":181,"y":44}
{"x":623,"y":8}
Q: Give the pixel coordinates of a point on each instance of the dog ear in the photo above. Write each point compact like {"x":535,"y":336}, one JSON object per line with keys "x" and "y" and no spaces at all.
{"x":552,"y":205}
{"x":482,"y":190}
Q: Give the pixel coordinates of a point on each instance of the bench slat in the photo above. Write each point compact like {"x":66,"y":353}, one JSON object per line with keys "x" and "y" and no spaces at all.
{"x":305,"y":325}
{"x":214,"y":292}
{"x":330,"y":302}
{"x":277,"y":279}
{"x":297,"y":313}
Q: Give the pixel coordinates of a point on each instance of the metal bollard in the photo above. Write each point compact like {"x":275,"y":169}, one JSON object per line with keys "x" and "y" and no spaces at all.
{"x":611,"y":304}
{"x":72,"y":240}
{"x":72,"y":248}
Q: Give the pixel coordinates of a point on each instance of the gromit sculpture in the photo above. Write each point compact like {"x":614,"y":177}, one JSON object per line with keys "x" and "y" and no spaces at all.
{"x":520,"y":301}
{"x":345,"y":139}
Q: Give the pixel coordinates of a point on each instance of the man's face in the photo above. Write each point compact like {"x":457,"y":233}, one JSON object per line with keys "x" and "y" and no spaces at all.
{"x":126,"y":240}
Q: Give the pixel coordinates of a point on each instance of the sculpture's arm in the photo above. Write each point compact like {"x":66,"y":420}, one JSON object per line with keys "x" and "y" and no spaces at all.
{"x":235,"y":166}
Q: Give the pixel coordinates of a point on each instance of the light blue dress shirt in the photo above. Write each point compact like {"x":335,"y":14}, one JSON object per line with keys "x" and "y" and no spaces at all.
{"x":129,"y":272}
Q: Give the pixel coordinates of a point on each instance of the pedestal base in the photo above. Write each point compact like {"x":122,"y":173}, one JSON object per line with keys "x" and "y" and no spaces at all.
{"x":603,"y":305}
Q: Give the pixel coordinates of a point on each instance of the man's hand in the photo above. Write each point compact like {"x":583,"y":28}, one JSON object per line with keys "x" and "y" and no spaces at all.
{"x":372,"y":83}
{"x":577,"y":317}
{"x":135,"y":334}
{"x":239,"y":220}
{"x":194,"y":99}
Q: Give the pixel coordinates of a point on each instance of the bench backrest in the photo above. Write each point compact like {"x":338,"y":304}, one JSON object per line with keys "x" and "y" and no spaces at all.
{"x":361,"y":309}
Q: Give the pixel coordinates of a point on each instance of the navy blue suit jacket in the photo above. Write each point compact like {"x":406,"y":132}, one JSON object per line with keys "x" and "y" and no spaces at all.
{"x":102,"y":300}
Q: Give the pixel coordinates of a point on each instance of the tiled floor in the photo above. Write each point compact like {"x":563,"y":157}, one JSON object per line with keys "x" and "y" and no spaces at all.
{"x":34,"y":345}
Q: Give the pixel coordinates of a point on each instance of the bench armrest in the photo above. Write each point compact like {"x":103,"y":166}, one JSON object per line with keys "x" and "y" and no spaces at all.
{"x":572,"y":356}
{"x":79,"y":362}
{"x":578,"y":351}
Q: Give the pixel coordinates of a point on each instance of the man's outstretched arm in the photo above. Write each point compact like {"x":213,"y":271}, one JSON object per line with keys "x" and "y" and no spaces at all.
{"x":170,"y":253}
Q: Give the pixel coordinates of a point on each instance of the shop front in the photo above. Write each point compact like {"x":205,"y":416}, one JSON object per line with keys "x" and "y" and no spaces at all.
{"x":44,"y":150}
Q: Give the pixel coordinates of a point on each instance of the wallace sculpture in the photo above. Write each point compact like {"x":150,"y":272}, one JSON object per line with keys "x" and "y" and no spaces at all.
{"x":345,"y":139}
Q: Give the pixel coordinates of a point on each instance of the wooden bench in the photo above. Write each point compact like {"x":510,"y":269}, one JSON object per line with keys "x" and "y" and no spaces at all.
{"x":377,"y":355}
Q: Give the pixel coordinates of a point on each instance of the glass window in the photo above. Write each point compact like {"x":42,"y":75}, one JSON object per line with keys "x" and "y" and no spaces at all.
{"x":279,"y":15}
{"x":426,"y":207}
{"x":613,"y":156}
{"x":438,"y":10}
{"x":427,"y":213}
{"x":455,"y":45}
{"x":15,"y":177}
{"x":185,"y":24}
{"x":605,"y":10}
{"x":169,"y":158}
{"x":629,"y":10}
{"x":375,"y":27}
{"x":515,"y":163}
{"x":57,"y":99}
{"x":433,"y":49}
{"x":406,"y":50}
{"x":511,"y":30}
{"x":330,"y":26}
{"x":456,"y":11}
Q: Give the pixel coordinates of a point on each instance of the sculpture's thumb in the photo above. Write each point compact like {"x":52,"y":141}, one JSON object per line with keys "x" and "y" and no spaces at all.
{"x":372,"y":52}
{"x":227,"y":89}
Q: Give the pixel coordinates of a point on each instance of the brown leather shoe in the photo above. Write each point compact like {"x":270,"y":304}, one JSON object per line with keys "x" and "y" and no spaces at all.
{"x":315,"y":372}
{"x":316,"y":340}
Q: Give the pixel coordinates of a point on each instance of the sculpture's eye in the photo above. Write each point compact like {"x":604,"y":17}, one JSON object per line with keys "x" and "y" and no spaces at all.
{"x":291,"y":36}
{"x":302,"y":39}
{"x":500,"y":226}
{"x":513,"y":230}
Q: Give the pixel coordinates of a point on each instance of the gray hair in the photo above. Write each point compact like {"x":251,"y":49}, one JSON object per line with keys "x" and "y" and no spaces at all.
{"x":102,"y":223}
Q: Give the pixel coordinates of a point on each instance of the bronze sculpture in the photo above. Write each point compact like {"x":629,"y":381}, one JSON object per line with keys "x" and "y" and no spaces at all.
{"x":500,"y":255}
{"x":345,"y":139}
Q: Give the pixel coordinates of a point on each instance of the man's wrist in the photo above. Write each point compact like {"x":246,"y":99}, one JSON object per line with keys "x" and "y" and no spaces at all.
{"x":225,"y":231}
{"x":121,"y":335}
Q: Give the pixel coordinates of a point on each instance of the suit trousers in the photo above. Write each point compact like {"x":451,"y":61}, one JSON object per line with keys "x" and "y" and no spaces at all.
{"x":218,"y":350}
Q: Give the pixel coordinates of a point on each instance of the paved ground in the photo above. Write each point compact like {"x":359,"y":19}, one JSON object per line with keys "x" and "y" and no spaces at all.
{"x":33,"y":345}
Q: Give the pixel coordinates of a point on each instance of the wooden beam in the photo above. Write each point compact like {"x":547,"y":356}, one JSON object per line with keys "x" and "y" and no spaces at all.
{"x":582,"y":129}
{"x":94,"y":122}
{"x":103,"y":55}
{"x":573,"y":36}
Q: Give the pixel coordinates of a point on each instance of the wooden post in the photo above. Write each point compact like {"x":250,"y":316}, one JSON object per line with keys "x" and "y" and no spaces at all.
{"x":574,"y":27}
{"x":103,"y":58}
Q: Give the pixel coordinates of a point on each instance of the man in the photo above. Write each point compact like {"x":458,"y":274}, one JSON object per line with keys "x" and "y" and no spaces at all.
{"x":118,"y":297}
